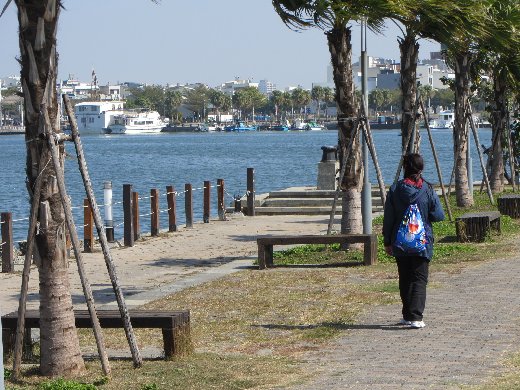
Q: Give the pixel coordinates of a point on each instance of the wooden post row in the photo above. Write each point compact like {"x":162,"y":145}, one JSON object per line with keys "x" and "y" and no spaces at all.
{"x":154,"y":210}
{"x":7,"y":242}
{"x":128,"y":217}
{"x":206,"y":214}
{"x":188,"y":205}
{"x":220,"y":200}
{"x":88,"y":227}
{"x":136,"y":225}
{"x":172,"y":208}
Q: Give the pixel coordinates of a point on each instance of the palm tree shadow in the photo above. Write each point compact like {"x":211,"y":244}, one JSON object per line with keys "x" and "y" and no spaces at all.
{"x":333,"y":326}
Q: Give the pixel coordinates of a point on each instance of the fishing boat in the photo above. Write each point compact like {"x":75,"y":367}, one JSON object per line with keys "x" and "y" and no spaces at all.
{"x":240,"y":127}
{"x":298,"y":124}
{"x":445,"y":120}
{"x":136,"y":123}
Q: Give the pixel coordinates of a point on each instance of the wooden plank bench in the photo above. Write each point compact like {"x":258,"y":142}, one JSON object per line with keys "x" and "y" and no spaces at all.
{"x":476,"y":226}
{"x":175,"y":326}
{"x":509,"y":205}
{"x":266,"y":243}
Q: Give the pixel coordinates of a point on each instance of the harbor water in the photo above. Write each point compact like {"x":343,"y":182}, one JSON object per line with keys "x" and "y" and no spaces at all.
{"x":280,"y":160}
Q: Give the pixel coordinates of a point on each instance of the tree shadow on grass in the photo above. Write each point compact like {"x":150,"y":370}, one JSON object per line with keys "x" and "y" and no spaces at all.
{"x":333,"y":326}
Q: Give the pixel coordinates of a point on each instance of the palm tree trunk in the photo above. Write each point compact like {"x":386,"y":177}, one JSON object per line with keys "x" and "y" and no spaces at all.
{"x":462,"y":62}
{"x":60,"y":352}
{"x":500,"y":115}
{"x":340,"y":47}
{"x":409,"y":53}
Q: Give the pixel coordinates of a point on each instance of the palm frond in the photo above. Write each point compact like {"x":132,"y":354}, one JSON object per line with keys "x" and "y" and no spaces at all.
{"x":5,"y":7}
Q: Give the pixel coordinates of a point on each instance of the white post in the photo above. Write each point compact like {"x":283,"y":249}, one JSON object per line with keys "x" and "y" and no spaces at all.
{"x":107,"y":201}
{"x":1,"y":114}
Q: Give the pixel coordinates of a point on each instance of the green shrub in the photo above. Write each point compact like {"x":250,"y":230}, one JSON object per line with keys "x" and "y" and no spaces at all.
{"x":62,"y":384}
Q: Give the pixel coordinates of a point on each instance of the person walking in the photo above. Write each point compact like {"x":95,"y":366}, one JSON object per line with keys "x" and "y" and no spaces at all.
{"x":410,"y":208}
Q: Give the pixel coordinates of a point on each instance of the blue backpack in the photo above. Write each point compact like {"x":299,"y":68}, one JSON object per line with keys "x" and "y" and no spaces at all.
{"x":411,"y":234}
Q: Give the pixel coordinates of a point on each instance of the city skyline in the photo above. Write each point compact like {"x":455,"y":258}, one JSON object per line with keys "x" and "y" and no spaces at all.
{"x":174,"y":42}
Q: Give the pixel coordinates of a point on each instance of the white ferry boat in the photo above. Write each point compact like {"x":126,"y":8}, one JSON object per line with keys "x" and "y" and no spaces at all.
{"x":445,"y":120}
{"x":93,"y":117}
{"x":136,"y":123}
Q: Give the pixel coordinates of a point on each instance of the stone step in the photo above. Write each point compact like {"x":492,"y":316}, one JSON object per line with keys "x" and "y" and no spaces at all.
{"x":310,"y":194}
{"x":308,"y":202}
{"x":303,"y":210}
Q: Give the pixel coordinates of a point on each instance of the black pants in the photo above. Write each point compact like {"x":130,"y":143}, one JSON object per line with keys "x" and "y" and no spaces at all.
{"x":413,"y":278}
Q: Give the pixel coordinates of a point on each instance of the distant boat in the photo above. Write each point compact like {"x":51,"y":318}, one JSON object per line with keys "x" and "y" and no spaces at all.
{"x":93,"y":117}
{"x":445,"y":120}
{"x":279,"y":128}
{"x":313,"y":126}
{"x":298,"y":124}
{"x":136,"y":123}
{"x":240,"y":127}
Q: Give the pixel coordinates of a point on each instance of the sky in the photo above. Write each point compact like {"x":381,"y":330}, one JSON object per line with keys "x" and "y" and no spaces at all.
{"x":175,"y":41}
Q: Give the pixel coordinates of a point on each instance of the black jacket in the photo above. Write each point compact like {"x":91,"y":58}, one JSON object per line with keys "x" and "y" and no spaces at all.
{"x":398,"y":198}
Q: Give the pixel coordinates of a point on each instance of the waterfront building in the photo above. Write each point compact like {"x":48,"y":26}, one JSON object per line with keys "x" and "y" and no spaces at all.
{"x":266,"y":87}
{"x":230,"y":87}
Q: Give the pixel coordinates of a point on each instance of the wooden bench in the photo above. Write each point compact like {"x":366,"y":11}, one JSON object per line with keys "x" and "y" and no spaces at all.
{"x":475,"y":227}
{"x":509,"y":205}
{"x":175,"y":326}
{"x":266,"y":243}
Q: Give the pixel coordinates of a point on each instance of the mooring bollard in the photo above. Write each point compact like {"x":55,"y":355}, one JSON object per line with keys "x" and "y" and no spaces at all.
{"x":136,"y":220}
{"x":251,"y":192}
{"x":88,"y":227}
{"x":207,"y":189}
{"x":107,"y":201}
{"x":188,"y":205}
{"x":220,"y":200}
{"x":7,"y":242}
{"x":154,"y":210}
{"x":238,"y":203}
{"x":128,"y":217}
{"x":172,"y":208}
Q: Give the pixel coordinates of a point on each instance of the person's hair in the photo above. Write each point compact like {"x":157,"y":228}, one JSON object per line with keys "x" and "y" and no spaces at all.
{"x":413,"y":164}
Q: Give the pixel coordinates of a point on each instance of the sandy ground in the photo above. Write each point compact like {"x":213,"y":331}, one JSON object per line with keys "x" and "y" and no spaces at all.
{"x":152,"y":264}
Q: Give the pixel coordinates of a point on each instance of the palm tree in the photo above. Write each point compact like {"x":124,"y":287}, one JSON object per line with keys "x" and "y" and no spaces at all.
{"x":317,"y":93}
{"x":277,"y":100}
{"x":300,"y":98}
{"x":59,"y":348}
{"x":334,"y":17}
{"x":462,"y":47}
{"x":328,"y":97}
{"x":503,"y":64}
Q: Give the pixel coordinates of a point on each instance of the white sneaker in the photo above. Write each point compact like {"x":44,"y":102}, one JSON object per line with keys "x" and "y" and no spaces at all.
{"x":404,"y":322}
{"x":417,"y":324}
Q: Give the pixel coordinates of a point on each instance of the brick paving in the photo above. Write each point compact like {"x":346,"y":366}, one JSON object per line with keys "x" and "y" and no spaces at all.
{"x":473,"y":323}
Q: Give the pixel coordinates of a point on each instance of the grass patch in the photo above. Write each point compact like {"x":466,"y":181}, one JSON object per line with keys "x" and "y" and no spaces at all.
{"x":251,"y":329}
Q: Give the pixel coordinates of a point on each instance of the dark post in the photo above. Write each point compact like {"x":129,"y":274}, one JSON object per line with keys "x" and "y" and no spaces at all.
{"x":238,"y":203}
{"x":128,"y":215}
{"x":220,"y":200}
{"x":154,"y":210}
{"x":135,"y":215}
{"x":88,"y":228}
{"x":207,"y":188}
{"x":251,"y":192}
{"x":188,"y":205}
{"x":7,"y":242}
{"x":172,"y":208}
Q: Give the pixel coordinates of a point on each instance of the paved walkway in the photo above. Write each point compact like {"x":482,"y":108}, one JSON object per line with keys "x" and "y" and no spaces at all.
{"x":473,"y":323}
{"x":473,"y":318}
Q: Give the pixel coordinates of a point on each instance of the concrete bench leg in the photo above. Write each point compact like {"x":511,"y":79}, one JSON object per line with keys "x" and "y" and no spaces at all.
{"x":261,"y":256}
{"x":370,"y":251}
{"x":269,"y":262}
